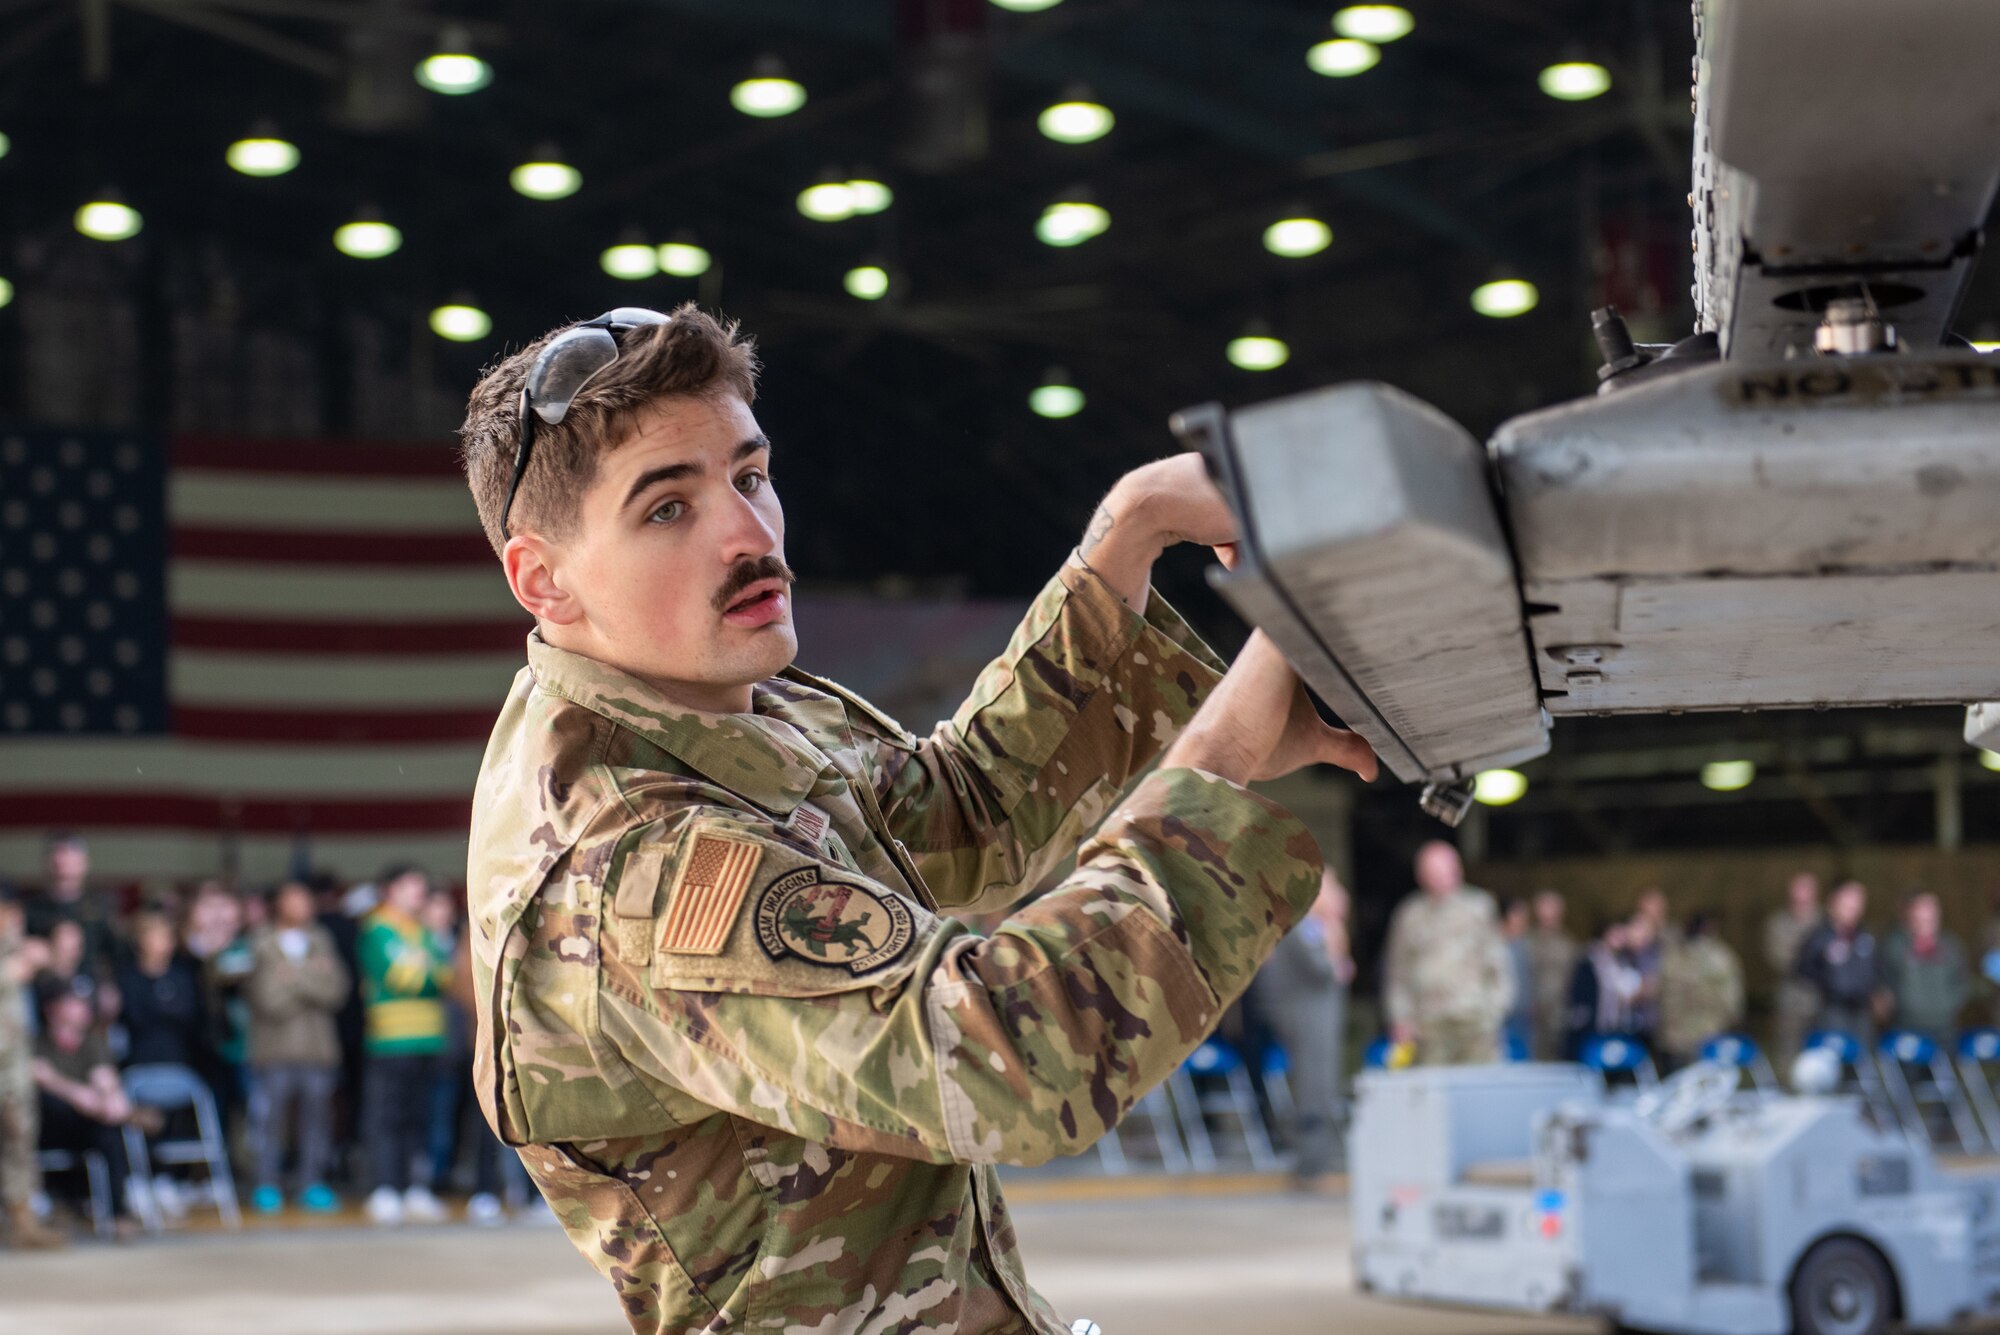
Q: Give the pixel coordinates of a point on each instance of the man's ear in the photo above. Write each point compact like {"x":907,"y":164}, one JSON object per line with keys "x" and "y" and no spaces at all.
{"x":530,"y":562}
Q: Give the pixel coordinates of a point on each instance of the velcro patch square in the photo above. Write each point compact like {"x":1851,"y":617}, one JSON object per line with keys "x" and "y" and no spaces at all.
{"x":708,"y":894}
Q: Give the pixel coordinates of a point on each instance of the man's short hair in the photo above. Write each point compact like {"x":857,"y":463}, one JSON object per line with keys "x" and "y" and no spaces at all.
{"x":693,"y":354}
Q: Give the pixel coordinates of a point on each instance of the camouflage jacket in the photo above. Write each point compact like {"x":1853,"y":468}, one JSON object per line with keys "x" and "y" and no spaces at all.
{"x":762,"y":1082}
{"x":1701,"y":994}
{"x":1447,"y":960}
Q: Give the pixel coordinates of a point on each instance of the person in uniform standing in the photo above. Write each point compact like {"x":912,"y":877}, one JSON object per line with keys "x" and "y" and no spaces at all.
{"x":759,"y":1076}
{"x":1449,"y":981}
{"x":1552,"y":956}
{"x":21,"y":958}
{"x":1796,"y":1004}
{"x":1701,"y":991}
{"x":1842,"y":963}
{"x":1303,"y":989}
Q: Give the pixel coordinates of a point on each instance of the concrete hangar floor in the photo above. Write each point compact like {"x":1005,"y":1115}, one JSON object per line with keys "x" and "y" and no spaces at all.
{"x":1257,"y":1259}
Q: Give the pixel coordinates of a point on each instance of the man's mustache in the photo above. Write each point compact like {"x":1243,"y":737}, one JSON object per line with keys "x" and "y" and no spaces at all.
{"x":745,"y":573}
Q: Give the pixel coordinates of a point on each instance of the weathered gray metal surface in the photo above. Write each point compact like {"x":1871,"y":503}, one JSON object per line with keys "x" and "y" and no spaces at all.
{"x":1838,"y":140}
{"x":1803,"y":533}
{"x":1374,"y":557}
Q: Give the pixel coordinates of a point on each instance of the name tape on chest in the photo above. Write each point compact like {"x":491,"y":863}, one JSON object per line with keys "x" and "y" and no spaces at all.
{"x":707,"y":894}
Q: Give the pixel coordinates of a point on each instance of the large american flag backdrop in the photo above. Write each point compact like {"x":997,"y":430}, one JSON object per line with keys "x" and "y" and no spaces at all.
{"x":243,"y":655}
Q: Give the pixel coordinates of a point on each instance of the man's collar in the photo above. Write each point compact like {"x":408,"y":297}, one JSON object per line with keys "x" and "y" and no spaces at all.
{"x":756,"y":755}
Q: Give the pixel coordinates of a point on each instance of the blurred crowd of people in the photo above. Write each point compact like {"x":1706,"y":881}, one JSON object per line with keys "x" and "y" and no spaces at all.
{"x":328,"y":1024}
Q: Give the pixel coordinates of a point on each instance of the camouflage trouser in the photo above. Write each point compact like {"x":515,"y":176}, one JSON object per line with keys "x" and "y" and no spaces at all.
{"x":1457,"y":1042}
{"x":1797,"y":1014}
{"x":20,"y":1131}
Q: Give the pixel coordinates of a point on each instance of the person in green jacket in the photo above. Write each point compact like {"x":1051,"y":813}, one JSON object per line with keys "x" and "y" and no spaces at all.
{"x":1925,"y":970}
{"x":404,"y":969}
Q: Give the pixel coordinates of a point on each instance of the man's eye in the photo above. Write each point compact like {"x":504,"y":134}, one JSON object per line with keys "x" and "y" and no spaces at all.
{"x":751,"y":482}
{"x":668,"y":512}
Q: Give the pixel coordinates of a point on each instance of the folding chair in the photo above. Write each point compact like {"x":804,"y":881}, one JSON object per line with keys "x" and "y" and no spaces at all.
{"x":1276,"y":1070}
{"x":1514,"y":1048}
{"x":1611,"y":1054}
{"x":1978,"y":1050}
{"x":1859,"y":1073}
{"x":1921,"y":1079}
{"x":1741,"y":1053}
{"x":96,"y":1176}
{"x":1217,"y":1060}
{"x":1157,"y":1112}
{"x":170,"y":1087}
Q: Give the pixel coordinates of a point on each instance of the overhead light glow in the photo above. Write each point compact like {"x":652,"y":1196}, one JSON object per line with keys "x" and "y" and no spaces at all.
{"x":1056,"y":396}
{"x":367,"y":239}
{"x":545,"y":180}
{"x":1071,"y":223}
{"x":1985,"y":345}
{"x":108,"y":220}
{"x":1575,"y":81}
{"x":262,"y":155}
{"x":454,"y":73}
{"x":1343,"y":57}
{"x":1027,"y":6}
{"x":684,"y":259}
{"x":1726,"y":776}
{"x":1498,"y":787}
{"x":1258,"y":352}
{"x":869,"y":282}
{"x":768,"y":96}
{"x":631,"y":259}
{"x":1076,"y":122}
{"x":1990,"y":759}
{"x":5,"y":144}
{"x":1504,"y":298}
{"x":827,"y":201}
{"x":7,"y":296}
{"x":1296,"y":238}
{"x":1374,"y":23}
{"x":869,"y":196}
{"x":461,"y":323}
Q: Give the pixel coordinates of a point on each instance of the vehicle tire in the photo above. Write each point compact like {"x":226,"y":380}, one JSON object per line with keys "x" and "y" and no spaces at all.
{"x":1843,"y":1287}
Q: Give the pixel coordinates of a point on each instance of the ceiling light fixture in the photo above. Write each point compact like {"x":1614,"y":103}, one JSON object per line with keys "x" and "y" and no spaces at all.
{"x":1575,"y":81}
{"x":1026,"y":6}
{"x":367,"y":237}
{"x":682,"y":258}
{"x":867,"y":282}
{"x":108,"y":218}
{"x":452,"y":69}
{"x":6,"y":292}
{"x":1258,"y":349}
{"x":5,"y":145}
{"x":262,"y":152}
{"x":829,"y":199}
{"x":1374,"y":23}
{"x":769,"y":91}
{"x":461,"y":322}
{"x":545,"y":175}
{"x":1990,"y":759}
{"x":1343,"y":57}
{"x":1498,"y":787}
{"x":1504,"y":298}
{"x":631,"y":259}
{"x":1056,"y":397}
{"x":1072,"y":221}
{"x":1297,"y":237}
{"x":869,"y":195}
{"x":1726,"y":776}
{"x":1077,"y":119}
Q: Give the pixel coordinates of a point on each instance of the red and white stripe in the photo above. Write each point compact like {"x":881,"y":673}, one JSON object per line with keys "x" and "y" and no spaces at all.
{"x":341,"y":641}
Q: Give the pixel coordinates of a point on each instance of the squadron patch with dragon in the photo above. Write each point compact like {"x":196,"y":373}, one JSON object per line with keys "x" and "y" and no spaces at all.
{"x":835,"y":923}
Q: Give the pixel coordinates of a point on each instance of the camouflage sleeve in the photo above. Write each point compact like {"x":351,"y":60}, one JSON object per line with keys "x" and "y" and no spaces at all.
{"x":838,"y":1010}
{"x":1086,"y":696}
{"x":1397,"y":999}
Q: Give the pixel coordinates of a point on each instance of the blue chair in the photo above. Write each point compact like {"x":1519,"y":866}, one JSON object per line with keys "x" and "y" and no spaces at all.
{"x":1513,"y":1047}
{"x":1155,"y":1112}
{"x":1614,"y":1054}
{"x":1920,"y":1078}
{"x":1376,"y":1056}
{"x":1859,"y":1072}
{"x":1221,"y":1063}
{"x":1277,"y":1073}
{"x":172,"y":1088}
{"x":1741,"y":1053}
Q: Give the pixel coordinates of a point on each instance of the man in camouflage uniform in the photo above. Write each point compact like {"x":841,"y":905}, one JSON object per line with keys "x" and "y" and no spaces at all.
{"x":20,"y":1125}
{"x":1449,"y":981}
{"x":760,"y":1078}
{"x":1552,"y":957}
{"x":1701,"y":991}
{"x":1795,"y":1002}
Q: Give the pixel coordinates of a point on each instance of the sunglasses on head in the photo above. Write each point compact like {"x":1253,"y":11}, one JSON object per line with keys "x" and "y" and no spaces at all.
{"x":569,"y":362}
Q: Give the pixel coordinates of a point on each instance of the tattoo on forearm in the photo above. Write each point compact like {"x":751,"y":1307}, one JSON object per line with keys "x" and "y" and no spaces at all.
{"x":1099,"y":529}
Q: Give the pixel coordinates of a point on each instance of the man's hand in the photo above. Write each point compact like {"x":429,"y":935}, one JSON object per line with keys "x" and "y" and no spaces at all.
{"x":1149,"y":510}
{"x":1258,"y":723}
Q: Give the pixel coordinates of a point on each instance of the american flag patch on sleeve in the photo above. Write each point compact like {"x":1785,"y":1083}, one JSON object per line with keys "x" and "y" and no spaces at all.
{"x":707,"y":895}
